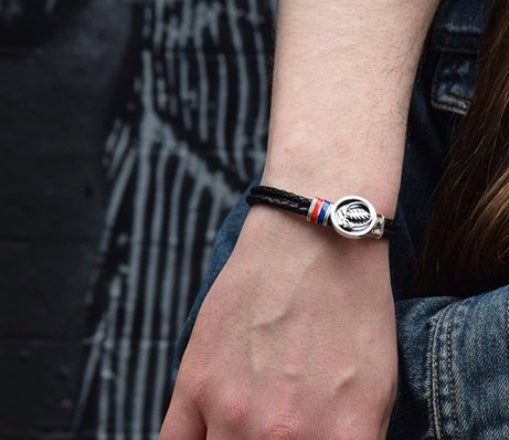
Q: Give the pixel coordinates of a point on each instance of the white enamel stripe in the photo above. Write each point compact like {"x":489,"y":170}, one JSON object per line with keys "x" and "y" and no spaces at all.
{"x":311,"y":208}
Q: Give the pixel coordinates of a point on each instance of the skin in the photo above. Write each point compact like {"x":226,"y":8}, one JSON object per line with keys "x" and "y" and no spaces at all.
{"x":296,"y":338}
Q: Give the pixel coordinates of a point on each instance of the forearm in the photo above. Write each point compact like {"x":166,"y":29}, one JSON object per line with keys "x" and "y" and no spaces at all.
{"x":343,"y":75}
{"x":305,"y":320}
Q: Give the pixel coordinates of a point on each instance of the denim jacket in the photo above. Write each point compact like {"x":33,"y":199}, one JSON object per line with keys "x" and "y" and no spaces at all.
{"x":441,"y":96}
{"x":456,"y":35}
{"x":453,"y":353}
{"x":454,"y":356}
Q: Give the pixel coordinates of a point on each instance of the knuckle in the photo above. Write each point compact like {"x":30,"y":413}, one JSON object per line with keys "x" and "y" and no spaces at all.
{"x":197,"y":389}
{"x":282,"y":432}
{"x":234,"y":411}
{"x":285,"y":428}
{"x":358,"y":432}
{"x":350,"y":436}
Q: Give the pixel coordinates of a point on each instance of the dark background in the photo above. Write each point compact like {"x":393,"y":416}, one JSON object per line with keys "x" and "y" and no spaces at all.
{"x":128,"y":131}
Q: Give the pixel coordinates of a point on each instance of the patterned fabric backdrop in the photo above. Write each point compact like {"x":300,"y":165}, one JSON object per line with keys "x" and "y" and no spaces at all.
{"x":188,"y":132}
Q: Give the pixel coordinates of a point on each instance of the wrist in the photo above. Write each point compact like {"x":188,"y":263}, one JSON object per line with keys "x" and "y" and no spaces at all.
{"x":313,"y":180}
{"x":312,"y":158}
{"x":271,"y":234}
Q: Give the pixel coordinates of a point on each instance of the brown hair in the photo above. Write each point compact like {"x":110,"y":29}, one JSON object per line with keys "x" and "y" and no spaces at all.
{"x":466,"y":243}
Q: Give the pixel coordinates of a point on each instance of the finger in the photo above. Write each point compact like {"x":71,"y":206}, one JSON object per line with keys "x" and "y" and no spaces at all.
{"x":215,"y":435}
{"x":182,"y":422}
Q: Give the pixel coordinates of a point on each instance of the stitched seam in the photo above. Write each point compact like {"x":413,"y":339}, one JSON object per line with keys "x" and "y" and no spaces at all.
{"x":462,"y":42}
{"x":449,"y":108}
{"x":434,"y":90}
{"x":434,"y":85}
{"x":449,"y":32}
{"x":454,"y":100}
{"x":507,"y":321}
{"x":441,"y":47}
{"x":459,"y":97}
{"x":460,"y":100}
{"x":437,"y":418}
{"x":452,"y":381}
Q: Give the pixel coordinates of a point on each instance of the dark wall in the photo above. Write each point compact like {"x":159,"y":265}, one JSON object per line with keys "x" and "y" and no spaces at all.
{"x":59,"y":72}
{"x":128,"y":131}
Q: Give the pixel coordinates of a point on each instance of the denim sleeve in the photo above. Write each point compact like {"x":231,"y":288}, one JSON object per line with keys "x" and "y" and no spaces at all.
{"x":454,"y":368}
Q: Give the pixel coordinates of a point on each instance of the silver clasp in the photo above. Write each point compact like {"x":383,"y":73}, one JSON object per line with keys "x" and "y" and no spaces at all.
{"x":355,"y":217}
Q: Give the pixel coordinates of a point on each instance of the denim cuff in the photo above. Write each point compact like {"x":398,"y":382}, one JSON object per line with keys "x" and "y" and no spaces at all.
{"x":454,"y":368}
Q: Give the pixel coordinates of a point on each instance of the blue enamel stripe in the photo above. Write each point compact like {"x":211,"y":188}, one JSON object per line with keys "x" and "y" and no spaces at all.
{"x":323,"y":211}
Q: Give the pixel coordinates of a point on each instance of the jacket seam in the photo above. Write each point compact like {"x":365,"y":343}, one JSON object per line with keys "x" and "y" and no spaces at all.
{"x":449,"y":108}
{"x":454,"y":33}
{"x":441,"y":47}
{"x":452,"y":381}
{"x":507,"y":321}
{"x":435,"y":398}
{"x":458,"y":97}
{"x":434,"y":91}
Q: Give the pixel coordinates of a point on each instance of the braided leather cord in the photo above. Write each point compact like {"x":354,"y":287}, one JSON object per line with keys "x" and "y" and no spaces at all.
{"x":276,"y":192}
{"x":391,"y":228}
{"x":289,"y":201}
{"x":286,"y":204}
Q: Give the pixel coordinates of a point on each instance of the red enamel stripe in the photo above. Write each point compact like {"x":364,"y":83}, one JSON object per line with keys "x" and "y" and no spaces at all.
{"x":316,"y":209}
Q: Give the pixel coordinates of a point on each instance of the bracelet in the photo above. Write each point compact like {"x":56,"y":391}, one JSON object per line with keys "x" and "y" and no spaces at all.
{"x":351,"y":216}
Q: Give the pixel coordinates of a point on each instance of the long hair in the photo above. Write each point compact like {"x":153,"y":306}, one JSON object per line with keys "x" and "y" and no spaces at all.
{"x":465,"y":247}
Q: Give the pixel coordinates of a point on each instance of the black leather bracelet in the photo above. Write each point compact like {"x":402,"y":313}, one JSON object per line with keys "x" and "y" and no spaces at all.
{"x":351,"y":216}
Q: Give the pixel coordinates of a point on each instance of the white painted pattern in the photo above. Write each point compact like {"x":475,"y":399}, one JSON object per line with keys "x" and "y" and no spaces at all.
{"x":177,"y":141}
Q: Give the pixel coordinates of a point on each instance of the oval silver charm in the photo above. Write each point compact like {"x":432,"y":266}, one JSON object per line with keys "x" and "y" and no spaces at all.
{"x":354,"y":217}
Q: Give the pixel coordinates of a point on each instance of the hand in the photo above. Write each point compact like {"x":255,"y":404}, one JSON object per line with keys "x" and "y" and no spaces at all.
{"x":295,"y":340}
